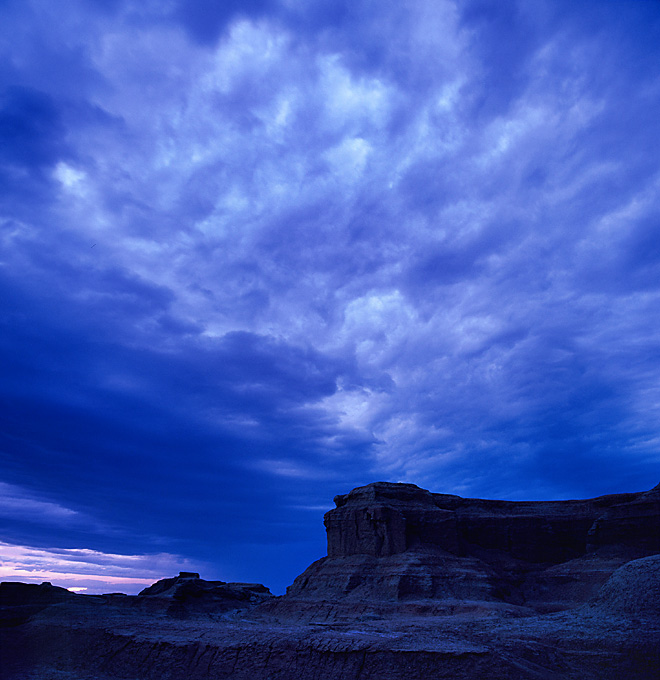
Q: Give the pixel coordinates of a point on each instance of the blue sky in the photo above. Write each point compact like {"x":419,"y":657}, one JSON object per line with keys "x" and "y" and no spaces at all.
{"x":254,"y":254}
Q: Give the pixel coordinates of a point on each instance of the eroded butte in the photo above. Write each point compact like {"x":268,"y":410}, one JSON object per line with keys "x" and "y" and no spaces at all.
{"x":415,"y":585}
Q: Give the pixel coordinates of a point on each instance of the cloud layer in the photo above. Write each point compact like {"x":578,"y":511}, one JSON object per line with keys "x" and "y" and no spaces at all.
{"x":254,"y":254}
{"x":93,"y":572}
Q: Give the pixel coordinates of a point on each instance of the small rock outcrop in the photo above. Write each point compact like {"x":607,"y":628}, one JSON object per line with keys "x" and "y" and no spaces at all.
{"x":187,"y":593}
{"x":633,"y":589}
{"x":14,"y":594}
{"x":20,"y":601}
{"x":400,"y":542}
{"x":186,"y":596}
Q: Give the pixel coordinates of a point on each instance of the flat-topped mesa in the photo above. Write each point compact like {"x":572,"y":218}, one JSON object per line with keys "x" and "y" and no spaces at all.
{"x":189,"y":586}
{"x":188,"y":595}
{"x":399,"y":542}
{"x":634,"y":524}
{"x":385,"y":518}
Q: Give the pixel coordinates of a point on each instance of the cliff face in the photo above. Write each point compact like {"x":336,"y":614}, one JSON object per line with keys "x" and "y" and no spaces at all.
{"x":416,"y":585}
{"x":384,"y":519}
{"x":397,"y":541}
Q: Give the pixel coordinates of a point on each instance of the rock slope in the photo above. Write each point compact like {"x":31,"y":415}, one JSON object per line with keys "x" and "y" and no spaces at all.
{"x":398,"y":542}
{"x":187,"y":594}
{"x":415,"y":585}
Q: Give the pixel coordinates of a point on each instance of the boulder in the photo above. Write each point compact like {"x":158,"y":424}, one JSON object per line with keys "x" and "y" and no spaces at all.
{"x":633,"y":589}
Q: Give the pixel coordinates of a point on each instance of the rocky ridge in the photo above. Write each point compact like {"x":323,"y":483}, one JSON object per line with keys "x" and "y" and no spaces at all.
{"x":415,"y":585}
{"x":398,"y":542}
{"x":187,"y":594}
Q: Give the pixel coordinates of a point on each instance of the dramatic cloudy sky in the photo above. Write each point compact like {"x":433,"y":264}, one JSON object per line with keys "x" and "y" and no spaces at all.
{"x":255,"y":253}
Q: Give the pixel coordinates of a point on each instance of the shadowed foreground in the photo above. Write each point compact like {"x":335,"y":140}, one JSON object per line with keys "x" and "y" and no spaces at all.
{"x":416,"y":585}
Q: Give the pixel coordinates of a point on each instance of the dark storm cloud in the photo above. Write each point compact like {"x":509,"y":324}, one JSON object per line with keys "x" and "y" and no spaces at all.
{"x":205,"y":20}
{"x":32,"y":139}
{"x":506,"y":35}
{"x":167,"y":437}
{"x":31,"y":130}
{"x":254,"y":255}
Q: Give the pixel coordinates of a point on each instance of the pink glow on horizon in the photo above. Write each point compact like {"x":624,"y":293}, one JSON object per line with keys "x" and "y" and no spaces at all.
{"x":89,"y":571}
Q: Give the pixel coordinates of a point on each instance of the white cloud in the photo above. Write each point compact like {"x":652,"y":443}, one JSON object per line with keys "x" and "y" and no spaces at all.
{"x":376,"y":322}
{"x":351,"y":409}
{"x":88,"y":571}
{"x":18,"y":503}
{"x":257,"y":170}
{"x":293,"y":469}
{"x":349,"y":103}
{"x":349,"y":158}
{"x":71,"y":178}
{"x":251,"y":50}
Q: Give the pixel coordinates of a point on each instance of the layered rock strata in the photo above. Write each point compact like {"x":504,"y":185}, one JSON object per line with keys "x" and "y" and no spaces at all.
{"x":400,"y":542}
{"x":189,"y":586}
{"x":188,"y":595}
{"x":416,"y":585}
{"x":616,"y":636}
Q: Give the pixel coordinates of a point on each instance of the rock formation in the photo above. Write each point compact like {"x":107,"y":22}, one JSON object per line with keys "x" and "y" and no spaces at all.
{"x":20,"y":601}
{"x":188,"y":594}
{"x":633,"y":589}
{"x":416,"y":585}
{"x":189,"y":586}
{"x":399,"y":542}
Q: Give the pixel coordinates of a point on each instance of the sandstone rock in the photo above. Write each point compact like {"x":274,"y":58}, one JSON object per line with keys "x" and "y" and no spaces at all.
{"x":565,"y":585}
{"x":631,"y":527}
{"x":418,"y":586}
{"x":21,"y":601}
{"x":187,"y":594}
{"x":400,"y":542}
{"x":13,"y":594}
{"x":633,"y":589}
{"x":406,"y":576}
{"x":585,"y":644}
{"x":385,"y":519}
